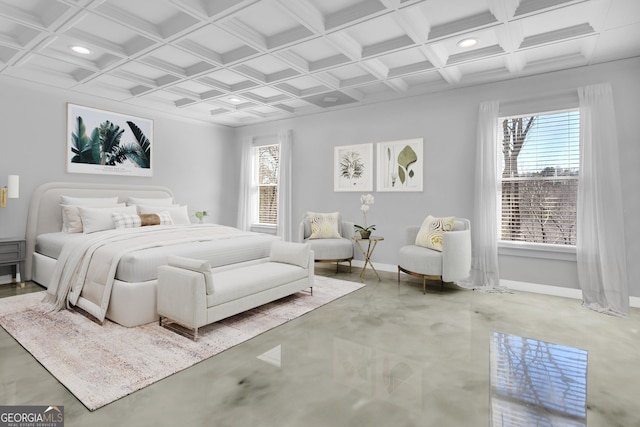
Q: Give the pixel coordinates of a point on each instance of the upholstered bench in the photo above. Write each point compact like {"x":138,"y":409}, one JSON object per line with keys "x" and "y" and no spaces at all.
{"x":193,"y":295}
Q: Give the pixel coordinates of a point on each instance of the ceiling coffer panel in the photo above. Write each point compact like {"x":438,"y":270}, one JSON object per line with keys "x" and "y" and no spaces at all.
{"x":241,"y":62}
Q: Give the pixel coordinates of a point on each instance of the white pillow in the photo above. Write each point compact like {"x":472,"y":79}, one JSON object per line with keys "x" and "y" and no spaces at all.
{"x":179,"y":214}
{"x":290,"y":253}
{"x":98,"y":219}
{"x":122,"y":220}
{"x":431,"y":231}
{"x":72,"y":215}
{"x":199,"y":265}
{"x":324,"y":225}
{"x":88,"y":201}
{"x":71,"y":221}
{"x":150,"y":201}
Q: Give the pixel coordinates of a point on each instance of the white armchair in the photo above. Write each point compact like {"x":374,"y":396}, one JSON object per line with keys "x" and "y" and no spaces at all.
{"x":453,"y":263}
{"x":338,"y":249}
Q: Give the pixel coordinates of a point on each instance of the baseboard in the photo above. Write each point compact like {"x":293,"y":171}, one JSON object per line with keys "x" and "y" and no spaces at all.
{"x":542,"y":289}
{"x":554,"y":290}
{"x":6,"y":279}
{"x":515,"y":285}
{"x":378,"y":265}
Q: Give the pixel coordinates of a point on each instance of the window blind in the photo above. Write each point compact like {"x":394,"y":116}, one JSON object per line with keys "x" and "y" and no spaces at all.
{"x":539,"y":177}
{"x":268,"y":162}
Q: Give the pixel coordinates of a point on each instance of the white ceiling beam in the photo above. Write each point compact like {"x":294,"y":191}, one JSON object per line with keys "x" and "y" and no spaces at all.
{"x":354,"y":93}
{"x":346,"y":45}
{"x":293,"y":60}
{"x":244,"y":32}
{"x":120,"y":16}
{"x":305,"y":13}
{"x":327,"y":80}
{"x":414,"y":23}
{"x":381,"y":72}
{"x":376,"y":68}
{"x":212,"y":10}
{"x":503,"y":10}
{"x":438,"y":57}
{"x":509,"y":37}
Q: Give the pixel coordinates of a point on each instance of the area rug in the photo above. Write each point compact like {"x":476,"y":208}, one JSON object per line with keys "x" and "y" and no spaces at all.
{"x":103,"y":363}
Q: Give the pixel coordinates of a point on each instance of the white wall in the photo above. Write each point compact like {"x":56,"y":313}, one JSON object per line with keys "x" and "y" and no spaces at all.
{"x":447,"y":121}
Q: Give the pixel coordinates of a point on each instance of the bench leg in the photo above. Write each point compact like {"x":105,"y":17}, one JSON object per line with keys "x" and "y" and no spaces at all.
{"x":178,"y":328}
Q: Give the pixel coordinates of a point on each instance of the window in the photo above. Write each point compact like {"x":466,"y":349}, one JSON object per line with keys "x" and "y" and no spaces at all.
{"x":267,"y":171}
{"x":539,"y":179}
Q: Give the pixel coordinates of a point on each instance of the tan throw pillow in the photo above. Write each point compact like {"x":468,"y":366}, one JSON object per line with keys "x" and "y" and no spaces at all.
{"x":179,"y":214}
{"x":431,"y":231}
{"x":324,"y":225}
{"x":160,"y":218}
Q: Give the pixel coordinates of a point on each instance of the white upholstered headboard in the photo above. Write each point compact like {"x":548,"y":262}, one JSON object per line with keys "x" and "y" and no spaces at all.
{"x":45,"y":214}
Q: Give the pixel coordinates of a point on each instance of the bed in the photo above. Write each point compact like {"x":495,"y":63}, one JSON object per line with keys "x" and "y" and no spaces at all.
{"x":132,"y":294}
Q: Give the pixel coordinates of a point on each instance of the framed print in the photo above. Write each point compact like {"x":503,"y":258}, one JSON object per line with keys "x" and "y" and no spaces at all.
{"x":108,"y":143}
{"x":353,"y":168}
{"x":400,"y":165}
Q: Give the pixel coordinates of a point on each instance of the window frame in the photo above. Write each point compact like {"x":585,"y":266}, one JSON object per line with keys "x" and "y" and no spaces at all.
{"x":256,"y":225}
{"x":523,"y":248}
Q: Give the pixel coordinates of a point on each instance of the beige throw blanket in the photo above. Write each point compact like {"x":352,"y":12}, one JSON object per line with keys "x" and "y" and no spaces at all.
{"x":86,"y":268}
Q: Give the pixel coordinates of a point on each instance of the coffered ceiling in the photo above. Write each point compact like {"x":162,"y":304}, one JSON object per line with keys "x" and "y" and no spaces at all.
{"x":242,"y":62}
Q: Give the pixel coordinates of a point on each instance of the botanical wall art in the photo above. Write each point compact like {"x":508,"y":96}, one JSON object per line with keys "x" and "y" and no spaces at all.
{"x":353,"y":168}
{"x":400,"y":165}
{"x":104,"y":142}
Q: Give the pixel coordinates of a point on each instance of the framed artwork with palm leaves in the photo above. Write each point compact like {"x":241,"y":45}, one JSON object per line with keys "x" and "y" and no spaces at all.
{"x":108,"y":143}
{"x":353,"y":168}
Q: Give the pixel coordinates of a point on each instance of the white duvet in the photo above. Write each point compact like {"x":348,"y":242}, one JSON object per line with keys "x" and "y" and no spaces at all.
{"x":86,"y":268}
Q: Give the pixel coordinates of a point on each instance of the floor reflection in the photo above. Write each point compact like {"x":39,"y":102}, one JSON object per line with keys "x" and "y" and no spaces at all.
{"x":378,"y":374}
{"x":536,"y":383}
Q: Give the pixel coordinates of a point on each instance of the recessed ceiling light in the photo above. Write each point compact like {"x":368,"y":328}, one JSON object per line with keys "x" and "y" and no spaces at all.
{"x":330,"y":99}
{"x":469,"y":42}
{"x":81,"y":50}
{"x":235,"y":100}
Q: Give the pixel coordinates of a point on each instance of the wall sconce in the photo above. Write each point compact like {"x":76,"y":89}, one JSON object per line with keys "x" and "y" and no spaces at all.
{"x":10,"y":191}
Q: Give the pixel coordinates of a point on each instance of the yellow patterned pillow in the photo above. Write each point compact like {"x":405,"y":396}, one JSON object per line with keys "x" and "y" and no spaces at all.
{"x":324,"y":225}
{"x":431,"y":231}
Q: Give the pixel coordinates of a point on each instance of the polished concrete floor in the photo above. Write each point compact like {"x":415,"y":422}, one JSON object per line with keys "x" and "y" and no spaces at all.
{"x":385,"y":355}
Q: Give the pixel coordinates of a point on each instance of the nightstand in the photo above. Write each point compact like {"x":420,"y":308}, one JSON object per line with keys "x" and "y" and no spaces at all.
{"x":12,"y":252}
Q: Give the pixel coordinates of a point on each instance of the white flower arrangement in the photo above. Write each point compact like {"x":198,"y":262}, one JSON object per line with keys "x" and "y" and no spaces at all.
{"x":366,"y":201}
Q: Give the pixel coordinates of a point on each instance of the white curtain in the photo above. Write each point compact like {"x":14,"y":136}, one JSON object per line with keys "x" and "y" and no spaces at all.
{"x":246,"y":206}
{"x":284,"y":228}
{"x":484,"y":227}
{"x":601,"y":256}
